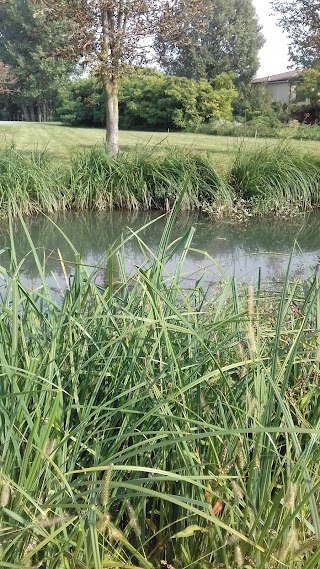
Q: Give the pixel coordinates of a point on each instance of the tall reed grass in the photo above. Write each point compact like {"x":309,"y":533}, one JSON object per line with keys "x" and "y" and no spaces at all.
{"x":277,"y":179}
{"x":146,"y":425}
{"x":269,"y":180}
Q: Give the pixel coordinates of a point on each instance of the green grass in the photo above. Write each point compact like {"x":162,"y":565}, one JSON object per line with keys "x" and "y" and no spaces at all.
{"x":93,"y":180}
{"x":273,"y":180}
{"x":277,"y":178}
{"x":63,"y":140}
{"x":142,"y":422}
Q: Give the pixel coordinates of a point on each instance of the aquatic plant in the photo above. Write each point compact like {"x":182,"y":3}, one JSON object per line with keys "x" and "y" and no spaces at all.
{"x":270,"y":180}
{"x":143,"y":423}
{"x":146,"y":180}
{"x":277,"y":178}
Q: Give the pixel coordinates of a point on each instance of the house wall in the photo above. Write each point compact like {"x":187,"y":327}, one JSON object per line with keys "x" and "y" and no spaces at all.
{"x":281,"y":92}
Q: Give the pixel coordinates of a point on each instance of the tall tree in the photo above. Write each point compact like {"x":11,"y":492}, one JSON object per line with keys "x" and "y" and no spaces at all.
{"x":109,"y":35}
{"x":229,"y":43}
{"x":7,"y":78}
{"x":24,"y":42}
{"x":300,"y":19}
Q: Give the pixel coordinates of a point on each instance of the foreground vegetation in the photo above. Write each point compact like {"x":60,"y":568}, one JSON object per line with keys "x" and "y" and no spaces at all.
{"x":143,"y":423}
{"x":266,"y":180}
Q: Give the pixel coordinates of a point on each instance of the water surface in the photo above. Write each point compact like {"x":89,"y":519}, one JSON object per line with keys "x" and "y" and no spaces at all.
{"x":223,"y":248}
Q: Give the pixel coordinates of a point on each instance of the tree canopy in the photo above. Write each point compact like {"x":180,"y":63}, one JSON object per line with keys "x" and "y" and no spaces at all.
{"x":300,"y":19}
{"x":7,"y":78}
{"x":228,"y":43}
{"x":110,"y":35}
{"x":24,"y":41}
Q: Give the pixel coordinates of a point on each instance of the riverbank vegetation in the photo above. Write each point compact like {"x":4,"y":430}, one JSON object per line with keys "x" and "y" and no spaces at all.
{"x":144,"y":425}
{"x":267,"y":180}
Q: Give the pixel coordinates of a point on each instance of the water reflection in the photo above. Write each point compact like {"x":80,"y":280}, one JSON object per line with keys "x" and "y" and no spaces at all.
{"x":231,"y":248}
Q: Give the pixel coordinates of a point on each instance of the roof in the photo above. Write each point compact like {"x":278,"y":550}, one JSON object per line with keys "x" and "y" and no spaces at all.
{"x":287,"y":76}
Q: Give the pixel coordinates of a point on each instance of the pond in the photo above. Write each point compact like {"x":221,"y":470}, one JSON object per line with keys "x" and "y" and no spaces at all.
{"x":232,"y":248}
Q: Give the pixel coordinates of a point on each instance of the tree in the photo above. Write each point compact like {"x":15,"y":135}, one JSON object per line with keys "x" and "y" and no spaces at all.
{"x":110,"y":35}
{"x":309,"y":86}
{"x":7,"y":78}
{"x":229,"y":43}
{"x":300,"y":19}
{"x":23,"y":43}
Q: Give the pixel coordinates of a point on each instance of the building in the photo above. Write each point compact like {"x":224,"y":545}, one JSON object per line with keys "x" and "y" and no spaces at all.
{"x":282,"y":87}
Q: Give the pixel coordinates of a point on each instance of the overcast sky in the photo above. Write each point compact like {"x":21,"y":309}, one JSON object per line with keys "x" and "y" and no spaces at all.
{"x":274,"y":54}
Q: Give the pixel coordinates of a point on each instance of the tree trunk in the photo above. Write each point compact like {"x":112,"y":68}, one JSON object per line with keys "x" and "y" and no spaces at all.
{"x":39,"y":113}
{"x":112,"y":115}
{"x":32,"y":113}
{"x":25,"y":111}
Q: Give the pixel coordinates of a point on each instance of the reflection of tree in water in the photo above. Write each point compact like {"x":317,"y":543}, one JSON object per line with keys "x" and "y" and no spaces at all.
{"x":91,"y":233}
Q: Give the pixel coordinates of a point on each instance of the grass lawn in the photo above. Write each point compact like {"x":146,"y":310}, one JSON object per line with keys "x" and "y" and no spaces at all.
{"x":62,"y":140}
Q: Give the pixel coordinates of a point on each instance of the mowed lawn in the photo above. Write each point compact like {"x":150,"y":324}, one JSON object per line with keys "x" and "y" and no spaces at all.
{"x":62,"y":140}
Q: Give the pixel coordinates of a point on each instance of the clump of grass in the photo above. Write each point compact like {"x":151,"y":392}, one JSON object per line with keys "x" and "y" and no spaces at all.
{"x":28,"y":181}
{"x":277,"y":179}
{"x":146,"y":181}
{"x":142,"y":422}
{"x":269,"y":180}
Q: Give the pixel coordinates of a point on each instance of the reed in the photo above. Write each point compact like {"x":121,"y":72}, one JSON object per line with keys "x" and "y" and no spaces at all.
{"x":277,"y":179}
{"x":141,"y":422}
{"x":268,"y":180}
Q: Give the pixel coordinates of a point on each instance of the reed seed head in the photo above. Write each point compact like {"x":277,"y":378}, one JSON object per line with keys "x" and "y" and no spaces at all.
{"x":252,"y":339}
{"x":240,"y":457}
{"x":237,"y":490}
{"x":5,"y":495}
{"x":250,"y":301}
{"x":238,"y":556}
{"x":290,"y":497}
{"x":49,"y":447}
{"x":133,"y":519}
{"x":290,"y":546}
{"x":103,"y":523}
{"x":105,"y":485}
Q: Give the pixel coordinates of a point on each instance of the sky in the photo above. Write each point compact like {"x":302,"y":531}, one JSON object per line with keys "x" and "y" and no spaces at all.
{"x":274,"y":54}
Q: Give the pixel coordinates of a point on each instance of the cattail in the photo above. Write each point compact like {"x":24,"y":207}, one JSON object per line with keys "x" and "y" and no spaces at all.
{"x":105,"y":486}
{"x":290,"y":497}
{"x":5,"y":495}
{"x":251,"y":301}
{"x":238,"y":556}
{"x":237,"y":490}
{"x":133,"y":519}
